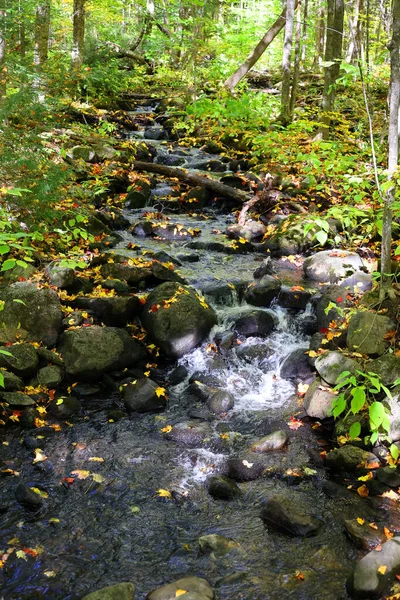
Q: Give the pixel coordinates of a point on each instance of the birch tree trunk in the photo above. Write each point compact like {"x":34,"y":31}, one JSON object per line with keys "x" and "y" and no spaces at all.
{"x":386,"y":288}
{"x":42,"y":33}
{"x":305,"y":34}
{"x":258,"y":51}
{"x":319,"y":36}
{"x":3,"y":66}
{"x":297,"y":54}
{"x":286,"y":63}
{"x":78,"y":35}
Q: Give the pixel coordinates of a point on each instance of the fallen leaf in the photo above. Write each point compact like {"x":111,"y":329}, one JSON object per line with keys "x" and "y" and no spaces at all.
{"x":299,"y":576}
{"x":295,"y":423}
{"x":98,"y":478}
{"x":96,"y":459}
{"x":363,"y":491}
{"x":247,"y":464}
{"x":360,"y":521}
{"x":21,"y":554}
{"x":373,"y":525}
{"x":382,"y":569}
{"x":388,"y":533}
{"x":39,"y":456}
{"x":164,"y":493}
{"x":81,"y":474}
{"x":302,"y":389}
{"x":166,"y":429}
{"x":39,"y":492}
{"x":49,"y":573}
{"x":180,"y":593}
{"x":160,"y":391}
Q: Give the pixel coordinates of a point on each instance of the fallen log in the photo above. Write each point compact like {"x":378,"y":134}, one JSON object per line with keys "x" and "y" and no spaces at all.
{"x":220,"y":189}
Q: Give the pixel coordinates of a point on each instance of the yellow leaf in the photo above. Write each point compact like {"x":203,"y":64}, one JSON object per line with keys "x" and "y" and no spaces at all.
{"x":21,"y":554}
{"x":81,"y":474}
{"x":49,"y":573}
{"x":147,"y":373}
{"x":96,"y":459}
{"x":40,"y":493}
{"x":166,"y":429}
{"x":388,"y":533}
{"x":365,"y":477}
{"x":373,"y":525}
{"x":363,"y":491}
{"x":312,"y":354}
{"x":54,"y":520}
{"x":60,"y":401}
{"x":382,"y":569}
{"x":302,"y":388}
{"x":180,"y":593}
{"x":360,"y":521}
{"x":39,"y":456}
{"x":160,"y":391}
{"x":247,"y":464}
{"x":164,"y":493}
{"x":41,"y":410}
{"x":98,"y":478}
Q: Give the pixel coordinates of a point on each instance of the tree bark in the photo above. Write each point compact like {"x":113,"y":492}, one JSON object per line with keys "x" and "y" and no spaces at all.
{"x":297,"y":54}
{"x":319,"y":37}
{"x":42,"y":33}
{"x":286,"y":63}
{"x":196,"y":180}
{"x":78,"y":36}
{"x":258,"y":51}
{"x":305,"y":33}
{"x":3,"y":66}
{"x":386,"y":288}
{"x":333,"y":54}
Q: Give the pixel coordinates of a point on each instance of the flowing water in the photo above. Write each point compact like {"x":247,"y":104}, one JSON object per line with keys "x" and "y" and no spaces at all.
{"x":90,"y":534}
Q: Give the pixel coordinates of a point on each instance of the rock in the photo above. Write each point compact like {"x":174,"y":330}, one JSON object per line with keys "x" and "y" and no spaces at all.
{"x":178,"y":375}
{"x":85,"y":153}
{"x":115,"y":284}
{"x":59,"y":276}
{"x":257,"y":323}
{"x":363,"y":535}
{"x":387,"y":367}
{"x":139,"y":195}
{"x":296,"y":365}
{"x":318,"y":400}
{"x":115,"y":311}
{"x":366,"y":333}
{"x":286,"y":516}
{"x":289,"y":297}
{"x":349,"y":458}
{"x":105,"y":152}
{"x":367,"y":581}
{"x":389,"y":476}
{"x":12,"y":383}
{"x":126,"y":270}
{"x":23,"y":359}
{"x":247,"y":468}
{"x":49,"y":356}
{"x":91,"y":351}
{"x":332,"y":265}
{"x":65,"y":407}
{"x":263,"y":291}
{"x":27,"y":419}
{"x":254,"y":353}
{"x":215,"y":544}
{"x":331,"y":364}
{"x":219,"y":292}
{"x":200,"y":391}
{"x":221,"y":402}
{"x":333,"y":295}
{"x":141,"y":396}
{"x":190,"y":434}
{"x":30,"y":314}
{"x":119,"y":591}
{"x":17,"y":399}
{"x":155,"y":133}
{"x":164,"y":273}
{"x":222,"y":487}
{"x":51,"y":376}
{"x":252,"y":230}
{"x":18,"y":274}
{"x":181,"y":322}
{"x":27,"y":497}
{"x":274,"y":441}
{"x":196,"y":588}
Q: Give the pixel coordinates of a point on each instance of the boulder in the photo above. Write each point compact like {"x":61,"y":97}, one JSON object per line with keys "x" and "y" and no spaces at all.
{"x":222,"y":487}
{"x":367,"y":333}
{"x":142,"y":395}
{"x":12,"y":383}
{"x":27,"y":497}
{"x":246,"y":468}
{"x":363,"y":535}
{"x":221,"y":402}
{"x":59,"y":276}
{"x":176,"y":318}
{"x":85,"y":153}
{"x":17,"y":399}
{"x":368,"y":579}
{"x":65,"y":407}
{"x":119,"y":591}
{"x":30,"y":313}
{"x":195,"y":588}
{"x":215,"y":544}
{"x":274,"y":441}
{"x":263,"y":291}
{"x":284,"y":514}
{"x":387,"y":367}
{"x":190,"y":434}
{"x":115,"y":311}
{"x":318,"y":400}
{"x":332,"y":265}
{"x":290,"y":297}
{"x":252,"y":230}
{"x":50,"y":376}
{"x":349,"y":458}
{"x":23,"y":359}
{"x":296,"y":365}
{"x":90,"y":351}
{"x":333,"y":295}
{"x":126,"y":270}
{"x":254,"y":353}
{"x":256,"y":323}
{"x":331,"y":364}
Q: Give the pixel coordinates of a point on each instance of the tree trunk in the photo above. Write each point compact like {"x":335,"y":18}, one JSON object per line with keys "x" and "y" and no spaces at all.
{"x":393,"y":154}
{"x":42,"y":33}
{"x":78,"y":36}
{"x":319,"y":37}
{"x":305,"y":33}
{"x":286,"y":63}
{"x":297,"y":54}
{"x":333,"y":54}
{"x":258,"y":51}
{"x":3,"y":66}
{"x":355,"y":27}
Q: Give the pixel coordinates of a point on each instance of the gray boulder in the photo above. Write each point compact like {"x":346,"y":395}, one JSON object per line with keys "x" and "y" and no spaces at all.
{"x":285,"y":515}
{"x":12,"y":383}
{"x":215,"y":544}
{"x":387,"y":367}
{"x":349,"y":458}
{"x":17,"y":399}
{"x":245,"y":468}
{"x":23,"y":359}
{"x":190,"y":434}
{"x":119,"y":591}
{"x":363,"y":535}
{"x":196,"y":588}
{"x":30,"y":313}
{"x":50,"y":376}
{"x":141,"y":396}
{"x":334,"y":295}
{"x":271,"y":442}
{"x":59,"y":276}
{"x":331,"y":364}
{"x":367,"y":331}
{"x":222,"y":487}
{"x":263,"y":291}
{"x":318,"y":400}
{"x":296,"y":365}
{"x":91,"y":351}
{"x":115,"y":311}
{"x":368,"y":579}
{"x":176,"y":318}
{"x":221,"y":402}
{"x":256,"y":323}
{"x":332,"y":265}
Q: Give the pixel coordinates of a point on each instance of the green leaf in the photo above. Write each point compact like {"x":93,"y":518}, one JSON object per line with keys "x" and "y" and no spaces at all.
{"x":376,"y":414}
{"x":5,"y":249}
{"x":1,"y":380}
{"x":8,"y":264}
{"x":18,"y":301}
{"x":339,"y":405}
{"x":358,"y":400}
{"x":5,"y":352}
{"x":394,"y":451}
{"x":374,"y":437}
{"x":322,"y":237}
{"x":355,"y":430}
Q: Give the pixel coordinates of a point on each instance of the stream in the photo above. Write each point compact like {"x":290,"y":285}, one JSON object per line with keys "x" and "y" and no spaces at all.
{"x":94,"y":532}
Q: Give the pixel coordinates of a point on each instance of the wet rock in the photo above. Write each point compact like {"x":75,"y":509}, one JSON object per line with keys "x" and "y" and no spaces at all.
{"x":263,"y":291}
{"x":59,"y":276}
{"x":164,"y":273}
{"x":31,"y":442}
{"x":50,"y":376}
{"x":286,"y":516}
{"x":349,"y":458}
{"x":387,"y":367}
{"x":331,"y":364}
{"x":200,"y":391}
{"x":115,"y":311}
{"x":116,"y":284}
{"x":246,"y":468}
{"x":142,"y":229}
{"x":389,"y":476}
{"x":318,"y":400}
{"x":222,"y":487}
{"x":23,"y":359}
{"x":274,"y":441}
{"x":219,"y":292}
{"x":171,"y":160}
{"x":207,"y":164}
{"x":126,"y":270}
{"x":221,"y":402}
{"x":366,"y":580}
{"x":17,"y":399}
{"x":232,"y":579}
{"x":215,"y":544}
{"x":196,"y":588}
{"x":252,"y":230}
{"x":366,"y":333}
{"x":119,"y":591}
{"x":190,"y":257}
{"x":181,"y":326}
{"x":139,"y":195}
{"x":12,"y":383}
{"x":65,"y":407}
{"x":292,"y":298}
{"x":254,"y":352}
{"x":255,"y":323}
{"x":363,"y":535}
{"x":265,"y":268}
{"x":18,"y":274}
{"x":332,"y":265}
{"x":141,"y":396}
{"x":178,"y":375}
{"x":91,"y":351}
{"x":28,"y":417}
{"x":296,"y":365}
{"x":155,"y":133}
{"x":85,"y":153}
{"x":30,"y":314}
{"x":333,"y":295}
{"x":190,"y":434}
{"x":27,"y":497}
{"x":49,"y":356}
